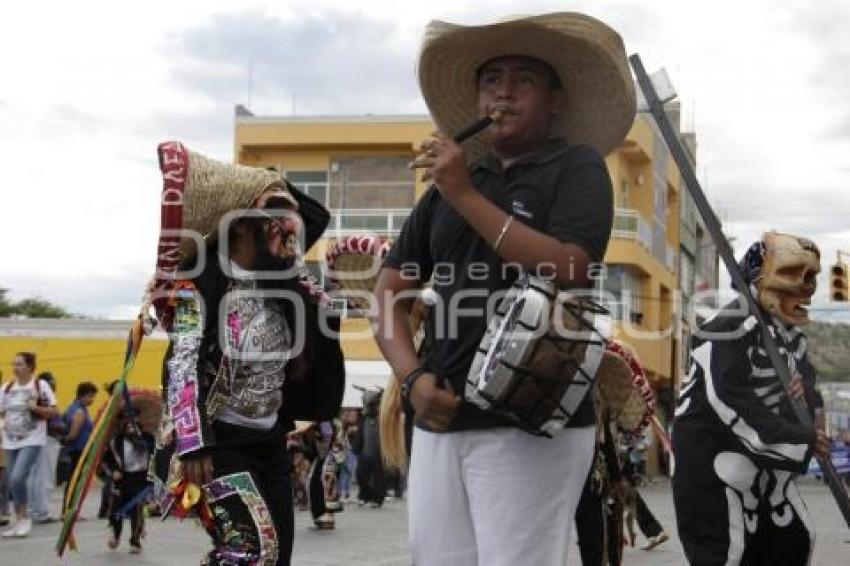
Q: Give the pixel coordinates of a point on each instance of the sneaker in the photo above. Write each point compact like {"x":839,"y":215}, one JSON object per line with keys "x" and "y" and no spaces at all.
{"x":112,"y":542}
{"x":4,"y":521}
{"x":23,"y":527}
{"x":10,"y":532}
{"x":135,"y":548}
{"x":661,"y":538}
{"x":45,"y":520}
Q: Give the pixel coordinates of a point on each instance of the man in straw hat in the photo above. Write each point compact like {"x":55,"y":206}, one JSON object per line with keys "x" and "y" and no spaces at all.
{"x":737,"y":444}
{"x":246,"y":357}
{"x":532,"y":193}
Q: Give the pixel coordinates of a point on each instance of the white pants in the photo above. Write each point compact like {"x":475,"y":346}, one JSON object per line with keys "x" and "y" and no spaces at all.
{"x":495,"y":497}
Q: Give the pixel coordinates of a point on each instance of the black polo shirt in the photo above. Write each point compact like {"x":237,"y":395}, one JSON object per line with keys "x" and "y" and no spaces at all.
{"x":561,"y":190}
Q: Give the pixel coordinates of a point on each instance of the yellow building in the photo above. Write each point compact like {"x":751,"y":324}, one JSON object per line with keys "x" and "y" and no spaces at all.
{"x":80,"y":350}
{"x":356,"y":166}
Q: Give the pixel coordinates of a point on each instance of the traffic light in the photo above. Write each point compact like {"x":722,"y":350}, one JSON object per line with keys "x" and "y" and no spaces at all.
{"x":838,"y":283}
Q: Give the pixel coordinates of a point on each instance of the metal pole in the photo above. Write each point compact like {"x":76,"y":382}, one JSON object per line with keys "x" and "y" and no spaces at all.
{"x":656,"y":108}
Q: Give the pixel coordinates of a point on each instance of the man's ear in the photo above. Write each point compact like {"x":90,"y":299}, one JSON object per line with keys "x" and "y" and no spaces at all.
{"x":559,"y":100}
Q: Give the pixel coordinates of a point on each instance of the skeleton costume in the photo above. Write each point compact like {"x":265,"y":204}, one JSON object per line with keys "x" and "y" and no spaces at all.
{"x":235,"y":376}
{"x":737,"y":444}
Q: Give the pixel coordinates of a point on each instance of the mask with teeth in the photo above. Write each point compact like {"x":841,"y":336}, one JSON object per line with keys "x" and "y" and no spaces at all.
{"x":788,"y":277}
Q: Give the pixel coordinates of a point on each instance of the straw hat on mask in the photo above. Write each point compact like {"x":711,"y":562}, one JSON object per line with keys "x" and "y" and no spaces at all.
{"x":209,"y":189}
{"x":588,"y":56}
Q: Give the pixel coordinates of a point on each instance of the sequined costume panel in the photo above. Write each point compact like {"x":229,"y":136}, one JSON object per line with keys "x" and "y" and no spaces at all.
{"x":184,"y":386}
{"x":258,"y":340}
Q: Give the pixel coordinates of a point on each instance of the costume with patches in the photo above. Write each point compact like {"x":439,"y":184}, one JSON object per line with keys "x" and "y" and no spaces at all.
{"x":246,"y":356}
{"x":738,"y":446}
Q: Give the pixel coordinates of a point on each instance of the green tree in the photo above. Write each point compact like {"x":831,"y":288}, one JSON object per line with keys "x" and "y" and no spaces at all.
{"x":6,"y":308}
{"x":33,"y":307}
{"x":40,"y":308}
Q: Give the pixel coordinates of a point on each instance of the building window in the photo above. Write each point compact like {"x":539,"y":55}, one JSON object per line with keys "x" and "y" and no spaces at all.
{"x":622,"y":293}
{"x":379,"y":182}
{"x":312,"y":183}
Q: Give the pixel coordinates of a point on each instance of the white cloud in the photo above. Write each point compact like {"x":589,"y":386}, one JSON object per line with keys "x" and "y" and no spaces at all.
{"x":90,"y":88}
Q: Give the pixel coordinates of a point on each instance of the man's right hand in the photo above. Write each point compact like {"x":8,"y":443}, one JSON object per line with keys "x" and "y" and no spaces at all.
{"x":198,"y":469}
{"x":435,"y":406}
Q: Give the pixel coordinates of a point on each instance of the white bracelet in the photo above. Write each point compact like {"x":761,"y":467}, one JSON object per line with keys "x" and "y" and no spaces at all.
{"x":500,"y":240}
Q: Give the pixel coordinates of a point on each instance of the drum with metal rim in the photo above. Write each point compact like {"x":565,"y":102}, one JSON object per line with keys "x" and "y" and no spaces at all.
{"x":539,"y":357}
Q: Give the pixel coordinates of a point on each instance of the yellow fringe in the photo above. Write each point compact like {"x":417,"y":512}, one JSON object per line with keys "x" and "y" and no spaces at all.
{"x":391,"y":426}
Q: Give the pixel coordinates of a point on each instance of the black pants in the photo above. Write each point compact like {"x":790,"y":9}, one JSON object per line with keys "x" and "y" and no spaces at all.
{"x":753,"y":517}
{"x":123,"y":493}
{"x":598,"y":528}
{"x":647,"y":523}
{"x":370,"y":480}
{"x":590,"y":526}
{"x":250,"y":498}
{"x":316,"y":489}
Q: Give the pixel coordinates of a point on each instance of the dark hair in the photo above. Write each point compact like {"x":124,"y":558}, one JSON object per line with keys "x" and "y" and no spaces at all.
{"x":48,"y":377}
{"x":86,"y":388}
{"x":29,"y":359}
{"x":110,"y":387}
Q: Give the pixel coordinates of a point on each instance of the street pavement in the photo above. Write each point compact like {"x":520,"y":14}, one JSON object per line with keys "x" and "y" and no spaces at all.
{"x":364,"y":536}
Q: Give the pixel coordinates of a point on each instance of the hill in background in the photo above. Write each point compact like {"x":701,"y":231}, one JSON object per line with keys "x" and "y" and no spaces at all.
{"x":829,"y":350}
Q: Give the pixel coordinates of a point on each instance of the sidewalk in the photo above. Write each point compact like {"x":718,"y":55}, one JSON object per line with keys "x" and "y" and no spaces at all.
{"x":375,"y":537}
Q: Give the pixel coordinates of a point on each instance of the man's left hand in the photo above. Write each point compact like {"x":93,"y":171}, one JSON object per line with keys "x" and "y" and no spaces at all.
{"x":795,"y":386}
{"x":444,"y":164}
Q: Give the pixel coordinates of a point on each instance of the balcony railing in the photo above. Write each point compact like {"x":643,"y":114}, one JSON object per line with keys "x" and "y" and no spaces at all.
{"x":381,"y":221}
{"x":630,"y":225}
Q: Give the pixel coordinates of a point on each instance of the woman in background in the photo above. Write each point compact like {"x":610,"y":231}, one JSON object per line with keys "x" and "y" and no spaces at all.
{"x":26,"y":404}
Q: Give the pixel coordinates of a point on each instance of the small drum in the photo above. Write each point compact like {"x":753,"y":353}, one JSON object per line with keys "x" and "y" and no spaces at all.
{"x":539,"y":356}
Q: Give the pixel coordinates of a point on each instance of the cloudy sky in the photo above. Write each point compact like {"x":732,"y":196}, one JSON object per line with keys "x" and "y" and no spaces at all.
{"x":88,"y":89}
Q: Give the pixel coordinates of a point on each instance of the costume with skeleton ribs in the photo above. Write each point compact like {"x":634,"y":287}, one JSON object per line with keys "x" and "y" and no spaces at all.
{"x":737,"y":443}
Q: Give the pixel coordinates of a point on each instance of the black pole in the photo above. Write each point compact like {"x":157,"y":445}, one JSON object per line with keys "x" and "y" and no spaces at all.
{"x":656,"y":108}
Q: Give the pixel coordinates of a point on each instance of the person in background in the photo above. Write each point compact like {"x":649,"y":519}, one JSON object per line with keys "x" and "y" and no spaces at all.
{"x":371,"y":480}
{"x":321,"y":437}
{"x":78,"y":422}
{"x":43,"y":479}
{"x":633,"y":472}
{"x":349,"y":467}
{"x":126,"y":461}
{"x":26,"y":405}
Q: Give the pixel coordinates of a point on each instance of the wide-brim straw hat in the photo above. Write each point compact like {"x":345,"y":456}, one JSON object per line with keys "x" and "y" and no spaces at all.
{"x":211,"y":189}
{"x":588,"y":56}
